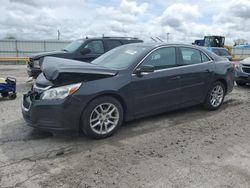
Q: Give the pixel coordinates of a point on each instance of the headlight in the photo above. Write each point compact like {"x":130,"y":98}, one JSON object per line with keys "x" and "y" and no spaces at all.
{"x":60,"y":92}
{"x":36,"y":64}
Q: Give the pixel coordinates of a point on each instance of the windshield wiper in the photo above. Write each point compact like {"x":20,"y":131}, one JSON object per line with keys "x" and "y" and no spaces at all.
{"x":64,"y":50}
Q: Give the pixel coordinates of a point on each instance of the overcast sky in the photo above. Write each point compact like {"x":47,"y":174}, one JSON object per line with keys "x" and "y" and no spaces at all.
{"x":185,"y":20}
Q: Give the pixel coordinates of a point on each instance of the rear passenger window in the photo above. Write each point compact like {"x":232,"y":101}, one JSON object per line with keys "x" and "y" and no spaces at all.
{"x":204,"y":57}
{"x":113,"y":44}
{"x":161,"y":58}
{"x":190,"y":56}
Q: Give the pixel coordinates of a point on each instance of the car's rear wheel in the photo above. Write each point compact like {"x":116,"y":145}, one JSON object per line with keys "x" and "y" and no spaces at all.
{"x":240,"y":83}
{"x":102,"y":117}
{"x":215,"y":96}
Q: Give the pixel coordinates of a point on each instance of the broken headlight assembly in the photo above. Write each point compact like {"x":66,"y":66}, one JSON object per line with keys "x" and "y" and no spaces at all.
{"x":60,"y":92}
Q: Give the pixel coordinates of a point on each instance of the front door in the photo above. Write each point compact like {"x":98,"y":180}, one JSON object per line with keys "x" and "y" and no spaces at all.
{"x":159,"y":90}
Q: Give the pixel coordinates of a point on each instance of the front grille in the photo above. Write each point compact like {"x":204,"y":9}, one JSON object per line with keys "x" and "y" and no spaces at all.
{"x":246,"y":70}
{"x":30,"y":62}
{"x":26,"y":103}
{"x":33,"y":95}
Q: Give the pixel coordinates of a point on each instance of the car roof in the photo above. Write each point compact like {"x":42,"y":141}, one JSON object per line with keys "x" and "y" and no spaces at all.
{"x":154,"y":45}
{"x":159,"y":44}
{"x":111,"y":38}
{"x":218,"y":48}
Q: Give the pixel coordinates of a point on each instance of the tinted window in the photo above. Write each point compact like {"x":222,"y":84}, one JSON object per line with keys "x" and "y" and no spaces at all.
{"x":95,"y":46}
{"x":204,"y":57}
{"x":121,"y":57}
{"x":190,"y":56}
{"x":112,"y":44}
{"x":161,"y":58}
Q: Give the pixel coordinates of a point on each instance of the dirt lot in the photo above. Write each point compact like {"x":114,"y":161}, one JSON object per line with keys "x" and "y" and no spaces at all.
{"x":185,"y":148}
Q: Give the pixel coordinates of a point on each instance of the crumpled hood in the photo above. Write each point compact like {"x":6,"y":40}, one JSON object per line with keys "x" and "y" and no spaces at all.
{"x":36,"y":56}
{"x":53,"y":67}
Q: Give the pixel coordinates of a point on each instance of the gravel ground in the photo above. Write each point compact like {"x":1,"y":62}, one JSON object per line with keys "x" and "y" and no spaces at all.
{"x":185,"y":148}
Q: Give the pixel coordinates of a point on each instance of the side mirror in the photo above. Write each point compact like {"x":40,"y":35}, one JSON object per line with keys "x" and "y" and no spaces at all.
{"x":145,"y":69}
{"x":85,"y":51}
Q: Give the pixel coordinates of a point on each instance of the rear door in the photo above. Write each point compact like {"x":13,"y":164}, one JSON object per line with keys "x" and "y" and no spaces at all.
{"x":196,"y":75}
{"x":159,"y":90}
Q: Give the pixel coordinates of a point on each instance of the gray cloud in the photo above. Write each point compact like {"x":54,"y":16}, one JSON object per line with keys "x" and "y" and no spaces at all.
{"x":26,"y":2}
{"x":185,"y":20}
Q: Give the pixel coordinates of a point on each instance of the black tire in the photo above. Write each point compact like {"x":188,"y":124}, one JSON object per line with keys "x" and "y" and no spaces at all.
{"x":87,"y":114}
{"x":12,"y":96}
{"x":240,"y":83}
{"x":207,"y":103}
{"x":4,"y":94}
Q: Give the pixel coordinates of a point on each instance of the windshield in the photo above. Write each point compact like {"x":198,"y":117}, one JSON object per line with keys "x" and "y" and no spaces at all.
{"x":216,"y":51}
{"x":73,"y":46}
{"x":221,"y":52}
{"x":121,"y":57}
{"x":224,"y":52}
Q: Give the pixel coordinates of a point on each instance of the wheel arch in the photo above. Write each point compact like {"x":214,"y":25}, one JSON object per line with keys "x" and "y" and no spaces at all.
{"x":223,"y":81}
{"x":109,"y":94}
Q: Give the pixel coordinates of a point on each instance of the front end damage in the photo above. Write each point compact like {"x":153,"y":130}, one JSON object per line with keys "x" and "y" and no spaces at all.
{"x":53,"y":103}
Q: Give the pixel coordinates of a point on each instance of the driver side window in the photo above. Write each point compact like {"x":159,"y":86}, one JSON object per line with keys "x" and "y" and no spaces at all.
{"x":96,"y":47}
{"x":162,"y":58}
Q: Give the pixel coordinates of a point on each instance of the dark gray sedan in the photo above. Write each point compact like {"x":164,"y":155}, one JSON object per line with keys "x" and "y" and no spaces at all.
{"x":129,"y":82}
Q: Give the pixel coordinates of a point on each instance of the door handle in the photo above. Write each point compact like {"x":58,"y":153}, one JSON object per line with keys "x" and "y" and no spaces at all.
{"x":175,"y":78}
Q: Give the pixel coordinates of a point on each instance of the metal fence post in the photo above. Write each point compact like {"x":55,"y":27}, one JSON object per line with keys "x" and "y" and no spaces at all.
{"x":44,"y":46}
{"x":16,"y":48}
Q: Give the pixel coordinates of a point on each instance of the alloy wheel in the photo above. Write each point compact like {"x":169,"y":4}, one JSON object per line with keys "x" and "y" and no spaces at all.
{"x":216,"y":96}
{"x":104,"y":118}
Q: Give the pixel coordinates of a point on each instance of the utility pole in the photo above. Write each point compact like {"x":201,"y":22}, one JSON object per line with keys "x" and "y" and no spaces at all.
{"x":168,"y":37}
{"x":58,"y":34}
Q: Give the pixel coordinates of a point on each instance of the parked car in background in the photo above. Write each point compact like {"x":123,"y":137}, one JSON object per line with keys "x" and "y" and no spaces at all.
{"x":242,"y":72}
{"x":222,"y":52}
{"x":82,"y":49}
{"x":126,"y":83}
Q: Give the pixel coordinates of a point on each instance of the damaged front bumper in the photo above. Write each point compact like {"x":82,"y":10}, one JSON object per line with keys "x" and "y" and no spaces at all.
{"x":52,"y":115}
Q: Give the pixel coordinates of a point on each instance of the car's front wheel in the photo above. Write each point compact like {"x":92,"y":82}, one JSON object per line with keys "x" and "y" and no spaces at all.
{"x":102,"y":117}
{"x":215,"y":96}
